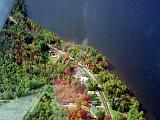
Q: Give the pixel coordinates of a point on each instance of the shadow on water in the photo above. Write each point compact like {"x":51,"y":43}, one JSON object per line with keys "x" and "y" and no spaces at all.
{"x":110,"y":67}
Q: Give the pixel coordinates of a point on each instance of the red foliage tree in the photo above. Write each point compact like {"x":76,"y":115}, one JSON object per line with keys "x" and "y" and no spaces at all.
{"x":107,"y":117}
{"x":86,"y":101}
{"x":80,"y":114}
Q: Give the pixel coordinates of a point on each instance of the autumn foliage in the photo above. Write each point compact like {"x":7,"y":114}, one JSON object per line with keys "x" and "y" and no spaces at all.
{"x":86,"y":101}
{"x":79,"y":114}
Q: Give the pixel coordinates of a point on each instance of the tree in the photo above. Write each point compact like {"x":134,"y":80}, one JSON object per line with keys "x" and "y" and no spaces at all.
{"x":135,"y":103}
{"x":92,"y":86}
{"x":132,"y":114}
{"x":79,"y":114}
{"x":86,"y":101}
{"x":100,"y":115}
{"x":119,"y":116}
{"x":103,"y":77}
{"x":29,"y":38}
{"x":43,"y":47}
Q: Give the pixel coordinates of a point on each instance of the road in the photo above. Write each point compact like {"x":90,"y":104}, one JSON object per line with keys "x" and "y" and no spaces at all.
{"x":103,"y":97}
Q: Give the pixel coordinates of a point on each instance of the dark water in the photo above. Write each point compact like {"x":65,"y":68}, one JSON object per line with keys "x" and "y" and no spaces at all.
{"x":127,"y":31}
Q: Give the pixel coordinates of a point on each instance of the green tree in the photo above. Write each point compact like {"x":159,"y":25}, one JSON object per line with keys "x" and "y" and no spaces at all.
{"x":100,"y":114}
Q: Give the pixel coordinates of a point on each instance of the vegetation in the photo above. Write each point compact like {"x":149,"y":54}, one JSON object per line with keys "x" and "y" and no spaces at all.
{"x":92,"y":86}
{"x":94,"y":97}
{"x":89,"y":56}
{"x":100,"y":115}
{"x":48,"y":108}
{"x":118,"y":95}
{"x":116,"y":91}
{"x":79,"y":114}
{"x":24,"y":63}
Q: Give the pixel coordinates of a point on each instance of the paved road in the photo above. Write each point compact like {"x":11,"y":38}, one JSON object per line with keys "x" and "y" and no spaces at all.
{"x":103,"y":97}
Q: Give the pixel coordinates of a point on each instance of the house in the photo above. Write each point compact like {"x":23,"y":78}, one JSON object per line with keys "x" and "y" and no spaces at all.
{"x":95,"y":107}
{"x":77,"y":74}
{"x":54,"y":53}
{"x":51,"y":51}
{"x":56,"y":56}
{"x":84,"y":78}
{"x":81,"y":75}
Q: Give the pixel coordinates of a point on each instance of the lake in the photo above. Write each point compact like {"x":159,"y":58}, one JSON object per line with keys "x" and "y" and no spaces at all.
{"x":126,"y":31}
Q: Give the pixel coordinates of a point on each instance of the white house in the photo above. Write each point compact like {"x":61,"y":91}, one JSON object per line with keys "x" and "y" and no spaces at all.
{"x":84,"y":79}
{"x":81,"y":75}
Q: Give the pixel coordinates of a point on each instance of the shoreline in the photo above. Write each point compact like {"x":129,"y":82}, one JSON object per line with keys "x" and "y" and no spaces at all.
{"x":148,"y":114}
{"x":97,"y":65}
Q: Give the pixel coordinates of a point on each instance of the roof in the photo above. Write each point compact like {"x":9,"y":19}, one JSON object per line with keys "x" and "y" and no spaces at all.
{"x":85,"y":75}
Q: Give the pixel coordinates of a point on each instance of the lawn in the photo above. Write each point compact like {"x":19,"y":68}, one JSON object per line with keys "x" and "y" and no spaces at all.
{"x":67,"y":93}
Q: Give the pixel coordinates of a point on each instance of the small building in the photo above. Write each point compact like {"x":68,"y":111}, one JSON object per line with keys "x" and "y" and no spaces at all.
{"x":54,"y":53}
{"x":56,"y":56}
{"x":81,"y":75}
{"x":51,"y":51}
{"x":84,"y":78}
